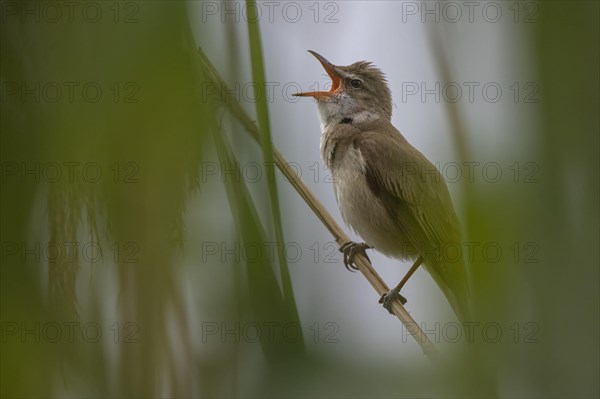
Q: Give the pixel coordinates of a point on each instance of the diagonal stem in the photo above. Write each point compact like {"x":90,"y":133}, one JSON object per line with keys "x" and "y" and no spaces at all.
{"x":340,"y":236}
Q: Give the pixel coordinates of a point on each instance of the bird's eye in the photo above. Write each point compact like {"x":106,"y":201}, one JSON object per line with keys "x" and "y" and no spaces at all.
{"x":357,"y":84}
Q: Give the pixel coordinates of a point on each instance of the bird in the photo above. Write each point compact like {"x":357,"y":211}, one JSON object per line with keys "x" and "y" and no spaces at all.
{"x":387,"y":191}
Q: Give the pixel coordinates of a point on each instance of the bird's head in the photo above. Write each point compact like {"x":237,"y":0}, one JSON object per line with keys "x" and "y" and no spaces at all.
{"x":359,"y":92}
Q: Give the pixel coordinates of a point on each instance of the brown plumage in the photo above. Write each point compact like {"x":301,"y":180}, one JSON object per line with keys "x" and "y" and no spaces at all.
{"x":387,"y":191}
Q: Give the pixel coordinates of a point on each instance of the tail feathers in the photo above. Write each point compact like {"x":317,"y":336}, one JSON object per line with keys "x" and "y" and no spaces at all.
{"x":453,"y":281}
{"x":461,"y":304}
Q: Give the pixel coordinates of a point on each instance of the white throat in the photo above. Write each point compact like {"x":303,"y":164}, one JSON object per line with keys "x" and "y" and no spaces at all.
{"x":334,"y":112}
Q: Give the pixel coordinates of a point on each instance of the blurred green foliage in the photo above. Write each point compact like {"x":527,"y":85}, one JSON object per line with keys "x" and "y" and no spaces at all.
{"x":142,"y":125}
{"x":148,"y":132}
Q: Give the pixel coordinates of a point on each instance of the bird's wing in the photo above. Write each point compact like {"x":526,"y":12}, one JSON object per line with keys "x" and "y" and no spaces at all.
{"x":395,"y":168}
{"x":417,"y":197}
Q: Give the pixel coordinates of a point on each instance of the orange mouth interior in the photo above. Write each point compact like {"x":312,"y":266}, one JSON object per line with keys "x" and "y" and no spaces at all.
{"x":335,"y":80}
{"x":336,"y":83}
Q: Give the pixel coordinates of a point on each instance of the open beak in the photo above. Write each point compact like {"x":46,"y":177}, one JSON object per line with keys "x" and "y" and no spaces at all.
{"x":336,"y":81}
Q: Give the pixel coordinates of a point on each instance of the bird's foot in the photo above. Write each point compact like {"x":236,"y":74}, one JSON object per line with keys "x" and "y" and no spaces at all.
{"x":388,"y":299}
{"x":350,"y":250}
